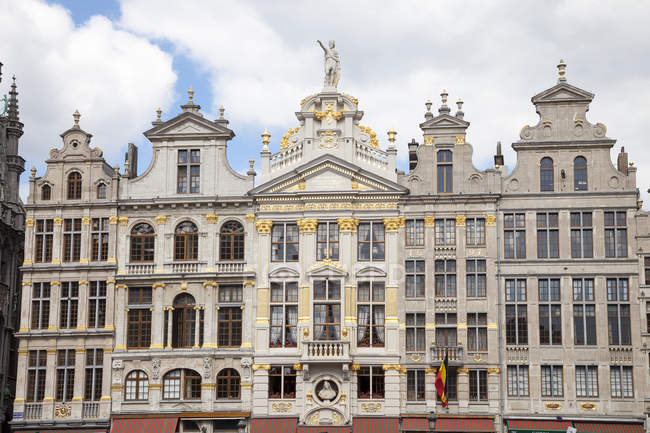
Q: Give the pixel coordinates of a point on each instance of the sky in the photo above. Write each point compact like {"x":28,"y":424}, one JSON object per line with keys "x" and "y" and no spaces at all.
{"x":117,"y":61}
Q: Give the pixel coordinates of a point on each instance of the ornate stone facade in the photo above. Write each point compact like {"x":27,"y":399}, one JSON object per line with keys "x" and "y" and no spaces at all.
{"x":330,"y":291}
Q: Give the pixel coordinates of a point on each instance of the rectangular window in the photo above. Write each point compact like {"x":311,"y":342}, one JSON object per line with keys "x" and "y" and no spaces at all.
{"x":547,"y":235}
{"x":71,"y":239}
{"x":188,"y":162}
{"x":370,"y":314}
{"x":615,"y":234}
{"x":446,"y":332}
{"x":582,"y":243}
{"x":40,"y":305}
{"x":36,"y":375}
{"x":552,"y":381}
{"x":230,"y":326}
{"x":452,"y":385}
{"x":621,"y":381}
{"x":139,"y":318}
{"x":94,"y":373}
{"x":44,"y":235}
{"x":65,"y":374}
{"x":327,"y":310}
{"x":284,"y":314}
{"x":370,"y":382}
{"x":230,"y":293}
{"x":415,"y":385}
{"x":445,"y":277}
{"x":99,"y":237}
{"x":584,"y":312}
{"x":618,"y":312}
{"x":550,"y":311}
{"x":478,"y":385}
{"x":97,"y":304}
{"x":284,"y":242}
{"x":586,"y":381}
{"x":445,"y":232}
{"x":370,"y":240}
{"x":69,"y":305}
{"x":282,"y":382}
{"x":477,"y":332}
{"x":475,"y":231}
{"x":415,"y":333}
{"x":647,"y":316}
{"x":476,"y":278}
{"x":646,"y":267}
{"x":415,"y":279}
{"x":518,"y":381}
{"x":327,"y":241}
{"x":516,"y":312}
{"x":514,"y":231}
{"x":414,"y":233}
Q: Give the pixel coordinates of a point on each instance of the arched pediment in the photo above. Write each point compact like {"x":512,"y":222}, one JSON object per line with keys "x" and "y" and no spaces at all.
{"x":371,"y":272}
{"x":284,"y":272}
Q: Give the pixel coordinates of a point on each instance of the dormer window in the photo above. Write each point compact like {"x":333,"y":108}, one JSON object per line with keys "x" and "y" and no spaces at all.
{"x":546,"y":174}
{"x":46,"y":192}
{"x":74,"y":186}
{"x":188,"y":171}
{"x":580,"y":174}
{"x":101,"y":191}
{"x":445,"y":181}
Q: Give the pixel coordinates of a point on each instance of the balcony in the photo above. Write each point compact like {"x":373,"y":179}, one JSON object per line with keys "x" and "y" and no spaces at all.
{"x":140,"y":268}
{"x":33,"y":411}
{"x":620,"y":355}
{"x":185,"y":267}
{"x":90,"y":410}
{"x":230,"y":267}
{"x":517,"y":354}
{"x":438,"y":353}
{"x":326,"y":351}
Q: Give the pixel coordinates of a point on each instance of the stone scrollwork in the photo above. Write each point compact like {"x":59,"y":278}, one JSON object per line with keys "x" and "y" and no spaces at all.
{"x":370,"y":407}
{"x":348,"y":224}
{"x":155,"y":369}
{"x":490,"y":220}
{"x":207,"y":368}
{"x":394,"y":224}
{"x":63,"y":410}
{"x":264,"y":226}
{"x":246,"y":366}
{"x":307,"y":225}
{"x":281,"y":407}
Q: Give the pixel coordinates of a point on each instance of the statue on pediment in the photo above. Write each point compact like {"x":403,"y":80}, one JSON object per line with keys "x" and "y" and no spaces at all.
{"x":332,"y":65}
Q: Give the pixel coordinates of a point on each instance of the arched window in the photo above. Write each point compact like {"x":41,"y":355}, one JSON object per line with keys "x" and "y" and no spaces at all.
{"x":228,"y":384}
{"x":445,"y":183}
{"x":46,"y":192}
{"x":74,"y":186}
{"x":182,"y":384}
{"x":231,"y":241}
{"x":580,"y":174}
{"x":546,"y":174}
{"x":101,"y":191}
{"x":184,"y":322}
{"x":186,"y":241}
{"x":136,"y":386}
{"x":143,"y":240}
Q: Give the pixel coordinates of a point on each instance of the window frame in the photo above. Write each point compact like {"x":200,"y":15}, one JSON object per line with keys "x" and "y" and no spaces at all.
{"x":475,"y":231}
{"x":327,"y":248}
{"x":414,"y":233}
{"x":280,"y":244}
{"x":553,"y":305}
{"x":43,"y":240}
{"x":514,"y":235}
{"x":546,"y":175}
{"x":616,"y":233}
{"x":478,"y":379}
{"x":140,"y":379}
{"x":476,"y":277}
{"x":232,"y":242}
{"x":375,"y":333}
{"x":584,"y":307}
{"x":65,"y":375}
{"x":445,"y":278}
{"x":582,"y":237}
{"x":287,"y":375}
{"x":187,"y":182}
{"x":36,"y":376}
{"x":516,"y":302}
{"x":623,"y":393}
{"x":479,"y":329}
{"x":376,"y":382}
{"x":187,"y":385}
{"x":93,"y":377}
{"x":139,"y":308}
{"x":74,"y":185}
{"x":585,"y":386}
{"x":552,"y":369}
{"x":330,"y":302}
{"x":228,"y":385}
{"x":417,"y":326}
{"x":445,"y":171}
{"x":415,"y":384}
{"x":580,"y":174}
{"x":233,"y":325}
{"x":548,"y":235}
{"x":99,"y":239}
{"x":97,"y":296}
{"x":288,"y":327}
{"x":69,"y":305}
{"x":514,"y":382}
{"x":71,"y":240}
{"x":40,"y":307}
{"x":376,"y":247}
{"x":141,"y":243}
{"x":619,"y":325}
{"x":186,"y":244}
{"x":445,"y":232}
{"x":46,"y":192}
{"x":101,"y":191}
{"x":415,"y":279}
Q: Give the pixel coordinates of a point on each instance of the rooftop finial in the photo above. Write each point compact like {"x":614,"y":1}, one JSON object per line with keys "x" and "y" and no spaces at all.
{"x":158,"y":115}
{"x":76,"y":117}
{"x":561,"y":71}
{"x":391,"y":137}
{"x":460,"y":114}
{"x":444,"y":108}
{"x":266,"y":139}
{"x":190,"y":96}
{"x":33,"y":171}
{"x":428,"y":104}
{"x":222,"y":111}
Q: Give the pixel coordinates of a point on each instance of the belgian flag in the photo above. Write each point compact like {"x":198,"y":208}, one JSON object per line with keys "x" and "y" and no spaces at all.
{"x":441,"y":381}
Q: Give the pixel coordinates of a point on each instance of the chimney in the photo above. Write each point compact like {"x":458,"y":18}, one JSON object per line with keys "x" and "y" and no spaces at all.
{"x":131,"y":157}
{"x":498,"y":158}
{"x":413,"y":156}
{"x":621,"y":162}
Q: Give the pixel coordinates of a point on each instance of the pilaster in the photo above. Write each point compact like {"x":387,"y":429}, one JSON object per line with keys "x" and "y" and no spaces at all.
{"x":82,"y":314}
{"x":57,"y":241}
{"x":463,"y":387}
{"x":85,"y":251}
{"x":247,"y":314}
{"x":55,"y":295}
{"x":110,"y":305}
{"x":120,"y":316}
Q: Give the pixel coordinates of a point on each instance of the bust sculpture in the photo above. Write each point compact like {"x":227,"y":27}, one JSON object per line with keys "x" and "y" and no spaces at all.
{"x":332,"y":65}
{"x":326,"y":393}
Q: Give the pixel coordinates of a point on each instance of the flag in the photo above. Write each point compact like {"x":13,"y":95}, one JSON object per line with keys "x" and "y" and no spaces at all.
{"x":441,"y":381}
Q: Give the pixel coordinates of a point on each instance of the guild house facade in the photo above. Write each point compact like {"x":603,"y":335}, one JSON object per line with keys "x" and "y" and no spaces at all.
{"x":323,"y":292}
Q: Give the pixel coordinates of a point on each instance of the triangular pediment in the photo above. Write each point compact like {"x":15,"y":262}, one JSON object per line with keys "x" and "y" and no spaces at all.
{"x":563,"y":92}
{"x":445,"y":120}
{"x":327,"y":269}
{"x":328,"y":174}
{"x":188,"y":124}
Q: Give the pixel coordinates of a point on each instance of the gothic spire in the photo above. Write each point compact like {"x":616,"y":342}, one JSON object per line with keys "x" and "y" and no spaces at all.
{"x":12,"y":110}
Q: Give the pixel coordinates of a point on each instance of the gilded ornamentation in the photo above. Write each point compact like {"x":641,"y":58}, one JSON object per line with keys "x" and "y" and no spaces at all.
{"x":297,"y":366}
{"x":328,"y":140}
{"x":370,"y":407}
{"x":373,"y":135}
{"x":463,"y":371}
{"x":256,"y":367}
{"x":554,"y":406}
{"x":209,"y":284}
{"x":248,"y":283}
{"x":490,"y":220}
{"x":348,"y":224}
{"x":250,"y":217}
{"x":337,"y":418}
{"x":307,"y":225}
{"x":343,"y":397}
{"x":63,"y":410}
{"x":460,"y":220}
{"x":264,"y":226}
{"x":313,"y":419}
{"x":355,"y":367}
{"x":305,"y":333}
{"x":112,"y":220}
{"x":429,"y":221}
{"x":309,"y":397}
{"x":285,"y":138}
{"x":156,"y":285}
{"x":344,"y":332}
{"x":460,"y":140}
{"x":211,"y":218}
{"x":331,"y":205}
{"x":281,"y":407}
{"x":428,"y":141}
{"x":351,"y":98}
{"x":416,"y":357}
{"x":394,"y":224}
{"x":58,"y":221}
{"x":588,"y":406}
{"x":388,"y":367}
{"x":161,"y":219}
{"x":477,"y":357}
{"x":493,"y":371}
{"x":85,"y":221}
{"x":329,"y":114}
{"x":124,"y":221}
{"x":29,"y":222}
{"x":430,"y":370}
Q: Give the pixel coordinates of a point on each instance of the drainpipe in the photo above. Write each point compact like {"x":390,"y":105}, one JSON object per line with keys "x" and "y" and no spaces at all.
{"x":501,"y":320}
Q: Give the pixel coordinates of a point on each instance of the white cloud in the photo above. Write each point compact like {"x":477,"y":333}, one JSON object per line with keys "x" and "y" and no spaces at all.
{"x":111,"y":76}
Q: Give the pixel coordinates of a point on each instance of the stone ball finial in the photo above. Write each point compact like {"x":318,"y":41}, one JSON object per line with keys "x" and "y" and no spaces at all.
{"x":116,"y":169}
{"x":561,"y":71}
{"x":443,"y":96}
{"x":190,"y":95}
{"x":391,"y":136}
{"x":459,"y":103}
{"x":158,"y":115}
{"x":266,"y":139}
{"x":76,"y":117}
{"x":428,"y":104}
{"x":222,"y":111}
{"x":33,"y":171}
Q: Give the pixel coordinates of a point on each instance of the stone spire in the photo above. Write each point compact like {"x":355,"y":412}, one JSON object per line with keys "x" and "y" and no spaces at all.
{"x":561,"y":72}
{"x":12,"y":110}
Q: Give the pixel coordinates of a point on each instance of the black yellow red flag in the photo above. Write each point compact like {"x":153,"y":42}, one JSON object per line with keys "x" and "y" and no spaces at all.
{"x":441,"y":381}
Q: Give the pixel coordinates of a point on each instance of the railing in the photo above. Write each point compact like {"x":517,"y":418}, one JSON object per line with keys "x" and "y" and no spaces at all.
{"x":90,"y":410}
{"x":186,"y":267}
{"x":445,"y":304}
{"x":33,"y":410}
{"x":620,"y":355}
{"x":438,"y":353}
{"x":231,"y":267}
{"x":371,"y":156}
{"x":325,"y":350}
{"x":140,"y":268}
{"x":286,"y":157}
{"x":517,"y":353}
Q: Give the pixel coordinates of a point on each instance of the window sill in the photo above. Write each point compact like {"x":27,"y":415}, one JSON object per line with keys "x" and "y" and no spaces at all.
{"x":282,"y":399}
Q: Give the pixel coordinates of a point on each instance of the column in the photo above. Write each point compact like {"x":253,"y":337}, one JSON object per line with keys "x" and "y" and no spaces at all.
{"x":78,"y":392}
{"x":25,"y":305}
{"x":55,"y":294}
{"x":82,"y":314}
{"x":493,"y":389}
{"x":430,"y":326}
{"x":84,"y":253}
{"x":307,"y":227}
{"x":210,"y":251}
{"x":122,"y":251}
{"x":57,"y":241}
{"x":29,"y":241}
{"x":120,"y":316}
{"x":197,"y":326}
{"x":21,"y":380}
{"x":391,"y":389}
{"x":210,"y":318}
{"x":110,"y":305}
{"x":50,"y":383}
{"x":105,"y":400}
{"x":347,"y":255}
{"x":391,"y":227}
{"x":157,"y":316}
{"x":261,"y":389}
{"x":463,"y":387}
{"x":170,"y":317}
{"x":262,"y":320}
{"x":430,"y":390}
{"x":247,"y":315}
{"x":112,"y":240}
{"x":159,"y":247}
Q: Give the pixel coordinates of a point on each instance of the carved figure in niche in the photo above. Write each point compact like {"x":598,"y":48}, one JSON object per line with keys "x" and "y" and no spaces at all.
{"x":326,"y":392}
{"x":332,"y":64}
